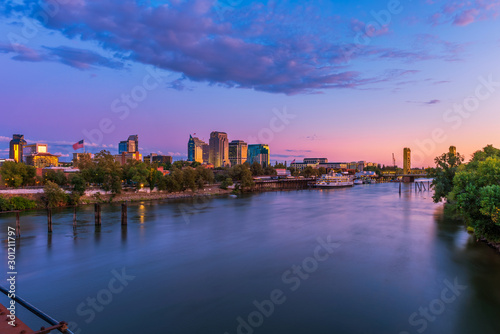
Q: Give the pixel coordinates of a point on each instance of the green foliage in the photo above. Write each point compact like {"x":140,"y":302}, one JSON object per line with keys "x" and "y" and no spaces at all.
{"x":475,"y":193}
{"x":256,"y":169}
{"x":21,"y":203}
{"x":5,"y":204}
{"x":309,"y":171}
{"x":17,"y":203}
{"x":242,"y":174}
{"x":108,"y":172}
{"x":57,"y":177}
{"x":189,"y":179}
{"x":446,"y":167}
{"x":136,"y":173}
{"x":17,"y":174}
{"x":269,"y":170}
{"x":54,"y":196}
{"x":226,"y":183}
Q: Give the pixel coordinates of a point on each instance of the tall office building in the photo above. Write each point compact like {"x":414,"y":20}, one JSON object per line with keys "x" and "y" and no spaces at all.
{"x":196,"y":148}
{"x":16,"y":148}
{"x":238,"y":151}
{"x":218,"y":149}
{"x":406,"y":160}
{"x":259,"y":153}
{"x":131,"y":145}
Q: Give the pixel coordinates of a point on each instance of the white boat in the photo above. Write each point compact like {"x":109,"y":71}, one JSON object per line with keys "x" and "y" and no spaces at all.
{"x":358,"y":181}
{"x":333,"y":180}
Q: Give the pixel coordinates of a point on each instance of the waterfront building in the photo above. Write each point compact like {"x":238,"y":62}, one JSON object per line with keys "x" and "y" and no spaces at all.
{"x":131,"y":145}
{"x":259,"y":153}
{"x":238,"y":151}
{"x":42,"y":160}
{"x":218,"y":149}
{"x":16,"y":148}
{"x":333,"y":165}
{"x":315,"y":160}
{"x":37,"y":155}
{"x":197,"y":150}
{"x":406,"y":160}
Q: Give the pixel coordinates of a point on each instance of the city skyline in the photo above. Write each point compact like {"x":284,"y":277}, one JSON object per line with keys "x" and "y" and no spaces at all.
{"x":359,"y":83}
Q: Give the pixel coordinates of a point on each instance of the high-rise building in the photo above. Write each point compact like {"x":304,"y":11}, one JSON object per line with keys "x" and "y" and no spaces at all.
{"x":406,"y":160}
{"x":219,"y":149}
{"x":196,"y":148}
{"x":206,"y":152}
{"x":131,"y":145}
{"x":259,"y":153}
{"x":238,"y":151}
{"x":16,"y":148}
{"x":453,"y":150}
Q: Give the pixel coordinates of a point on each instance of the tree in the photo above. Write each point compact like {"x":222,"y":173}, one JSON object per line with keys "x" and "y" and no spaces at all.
{"x":226,"y":183}
{"x":57,"y":177}
{"x":446,"y":168}
{"x":269,"y":170}
{"x":321,"y":170}
{"x":54,"y":196}
{"x":154,"y":178}
{"x":309,"y":171}
{"x":17,"y":174}
{"x":109,"y":172}
{"x":256,"y":169}
{"x":189,"y":179}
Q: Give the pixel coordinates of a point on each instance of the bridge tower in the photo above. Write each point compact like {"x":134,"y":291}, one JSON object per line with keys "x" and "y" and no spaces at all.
{"x":406,"y":161}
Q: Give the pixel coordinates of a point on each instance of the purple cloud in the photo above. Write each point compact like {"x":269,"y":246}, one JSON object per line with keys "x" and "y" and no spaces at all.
{"x":276,"y":48}
{"x":465,"y":13}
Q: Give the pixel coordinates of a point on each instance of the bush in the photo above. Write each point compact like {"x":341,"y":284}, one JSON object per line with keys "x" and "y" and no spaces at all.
{"x":21,"y":203}
{"x":54,"y":196}
{"x":17,"y":203}
{"x":226,"y":183}
{"x":5,"y":204}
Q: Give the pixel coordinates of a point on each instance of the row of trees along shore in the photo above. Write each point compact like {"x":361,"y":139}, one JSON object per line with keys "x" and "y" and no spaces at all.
{"x":107,"y":174}
{"x":471,"y":190}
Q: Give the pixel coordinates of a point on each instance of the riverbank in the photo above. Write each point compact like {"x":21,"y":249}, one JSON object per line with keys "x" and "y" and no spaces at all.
{"x":125,"y":196}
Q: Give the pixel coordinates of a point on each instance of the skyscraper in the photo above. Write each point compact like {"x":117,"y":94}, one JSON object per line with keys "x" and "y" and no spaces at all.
{"x":238,"y":151}
{"x":406,"y":160}
{"x":196,"y":149}
{"x":218,"y":149}
{"x":16,"y":148}
{"x":131,"y":145}
{"x":259,"y":153}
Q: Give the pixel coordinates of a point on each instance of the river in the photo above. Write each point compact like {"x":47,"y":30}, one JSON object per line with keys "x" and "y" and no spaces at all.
{"x":357,"y":260}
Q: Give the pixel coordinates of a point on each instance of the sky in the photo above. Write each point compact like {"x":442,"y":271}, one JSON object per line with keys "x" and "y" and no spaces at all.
{"x":345,"y":80}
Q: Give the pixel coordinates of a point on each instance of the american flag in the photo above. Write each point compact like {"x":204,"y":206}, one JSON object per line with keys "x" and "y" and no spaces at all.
{"x":78,"y":145}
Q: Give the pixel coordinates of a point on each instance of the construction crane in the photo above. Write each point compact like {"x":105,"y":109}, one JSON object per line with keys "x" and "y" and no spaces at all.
{"x":394,"y":161}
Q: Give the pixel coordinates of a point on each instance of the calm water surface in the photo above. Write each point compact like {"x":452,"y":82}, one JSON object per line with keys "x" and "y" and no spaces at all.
{"x":397,"y":266}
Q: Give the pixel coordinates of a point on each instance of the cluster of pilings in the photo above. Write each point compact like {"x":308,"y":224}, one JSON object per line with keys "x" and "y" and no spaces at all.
{"x":97,"y":216}
{"x":419,"y":186}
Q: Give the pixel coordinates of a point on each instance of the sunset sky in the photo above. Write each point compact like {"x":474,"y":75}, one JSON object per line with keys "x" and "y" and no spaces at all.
{"x":359,"y":80}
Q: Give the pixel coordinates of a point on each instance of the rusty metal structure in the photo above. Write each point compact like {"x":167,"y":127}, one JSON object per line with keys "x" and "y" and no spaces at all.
{"x":22,"y":328}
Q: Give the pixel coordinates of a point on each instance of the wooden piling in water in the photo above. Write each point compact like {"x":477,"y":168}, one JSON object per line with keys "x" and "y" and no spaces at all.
{"x":49,"y":219}
{"x":124,"y":213}
{"x":97,"y":209}
{"x":74,"y":217}
{"x":18,"y":225}
{"x":399,"y":188}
